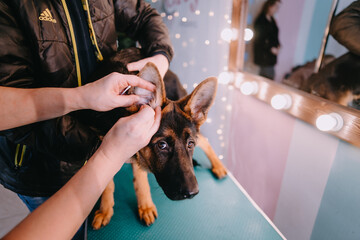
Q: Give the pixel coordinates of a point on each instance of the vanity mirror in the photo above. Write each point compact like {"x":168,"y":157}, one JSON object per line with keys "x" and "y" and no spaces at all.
{"x":305,"y":44}
{"x":294,"y":51}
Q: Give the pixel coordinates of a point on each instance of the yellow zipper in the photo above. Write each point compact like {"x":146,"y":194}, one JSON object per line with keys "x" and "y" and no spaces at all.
{"x":77,"y":65}
{"x":92,"y":31}
{"x":22,"y":155}
{"x":16,"y":155}
{"x":19,"y":163}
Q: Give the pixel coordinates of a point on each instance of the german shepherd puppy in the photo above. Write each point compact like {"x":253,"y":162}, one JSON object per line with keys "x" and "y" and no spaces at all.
{"x":337,"y":81}
{"x":169,"y":154}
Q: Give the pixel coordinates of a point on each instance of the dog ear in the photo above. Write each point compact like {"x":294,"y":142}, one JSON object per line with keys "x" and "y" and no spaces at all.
{"x":150,"y":73}
{"x":200,"y":100}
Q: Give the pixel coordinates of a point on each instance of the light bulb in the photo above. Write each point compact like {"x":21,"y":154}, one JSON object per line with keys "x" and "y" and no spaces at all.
{"x":226,"y":34}
{"x":329,"y":122}
{"x":225,"y":77}
{"x":249,"y":88}
{"x":248,"y":35}
{"x":281,"y":101}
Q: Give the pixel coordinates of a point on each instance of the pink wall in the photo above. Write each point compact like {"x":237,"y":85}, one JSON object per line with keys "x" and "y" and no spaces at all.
{"x":288,"y":20}
{"x":258,"y":149}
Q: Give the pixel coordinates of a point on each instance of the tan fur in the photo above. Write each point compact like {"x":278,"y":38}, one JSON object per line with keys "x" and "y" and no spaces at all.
{"x":218,"y":168}
{"x":103,"y":215}
{"x":146,"y":207}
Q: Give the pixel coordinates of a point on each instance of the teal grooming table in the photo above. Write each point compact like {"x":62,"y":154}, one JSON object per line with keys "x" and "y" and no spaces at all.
{"x":221,"y":210}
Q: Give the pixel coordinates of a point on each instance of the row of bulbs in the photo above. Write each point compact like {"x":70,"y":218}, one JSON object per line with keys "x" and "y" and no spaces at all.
{"x":283,"y":101}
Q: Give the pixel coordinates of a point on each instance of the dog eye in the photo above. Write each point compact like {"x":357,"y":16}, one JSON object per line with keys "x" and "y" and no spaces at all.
{"x":191,"y":144}
{"x":162,"y":145}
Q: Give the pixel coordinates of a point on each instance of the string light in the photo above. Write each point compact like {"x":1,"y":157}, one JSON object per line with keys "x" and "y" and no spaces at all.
{"x":177,"y":35}
{"x":207,"y":42}
{"x":211,"y":13}
{"x":184,"y":19}
{"x":329,"y":122}
{"x":197,"y":12}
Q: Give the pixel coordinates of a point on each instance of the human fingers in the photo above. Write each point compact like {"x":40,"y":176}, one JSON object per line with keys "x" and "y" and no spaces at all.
{"x":157,"y":121}
{"x":137,"y":66}
{"x":136,"y":81}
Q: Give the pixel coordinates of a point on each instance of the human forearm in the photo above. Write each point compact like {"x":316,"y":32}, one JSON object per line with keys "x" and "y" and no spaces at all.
{"x":24,"y":106}
{"x":62,"y":215}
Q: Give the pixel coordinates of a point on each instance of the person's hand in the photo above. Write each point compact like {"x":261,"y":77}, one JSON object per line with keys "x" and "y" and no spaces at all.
{"x":274,"y":50}
{"x":104,"y":94}
{"x":130,"y":134}
{"x":159,"y":60}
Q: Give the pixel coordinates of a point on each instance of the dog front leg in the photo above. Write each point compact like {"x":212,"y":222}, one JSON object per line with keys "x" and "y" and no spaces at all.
{"x":218,"y":168}
{"x":146,"y":207}
{"x":103,"y":215}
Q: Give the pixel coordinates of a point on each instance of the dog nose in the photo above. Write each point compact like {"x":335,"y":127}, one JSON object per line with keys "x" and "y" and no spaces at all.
{"x":189,"y":195}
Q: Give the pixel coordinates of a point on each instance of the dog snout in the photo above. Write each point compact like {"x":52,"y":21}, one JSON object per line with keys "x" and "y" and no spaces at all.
{"x":189,"y":194}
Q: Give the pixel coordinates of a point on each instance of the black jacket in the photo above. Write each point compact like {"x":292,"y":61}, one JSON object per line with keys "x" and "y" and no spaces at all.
{"x":345,"y":27}
{"x":265,"y":37}
{"x":37,"y":50}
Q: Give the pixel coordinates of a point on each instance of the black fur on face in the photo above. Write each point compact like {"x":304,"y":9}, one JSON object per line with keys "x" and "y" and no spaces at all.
{"x":169,"y":154}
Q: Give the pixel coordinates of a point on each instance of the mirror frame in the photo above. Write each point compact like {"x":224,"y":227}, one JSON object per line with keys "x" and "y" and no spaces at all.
{"x":305,"y":106}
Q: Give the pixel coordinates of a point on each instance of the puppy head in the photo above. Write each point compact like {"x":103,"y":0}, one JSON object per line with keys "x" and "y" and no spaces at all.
{"x":169,"y":153}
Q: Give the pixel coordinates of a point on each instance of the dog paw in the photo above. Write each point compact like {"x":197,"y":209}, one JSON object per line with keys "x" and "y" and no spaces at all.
{"x":148,"y":214}
{"x":102,"y":218}
{"x":220,"y":172}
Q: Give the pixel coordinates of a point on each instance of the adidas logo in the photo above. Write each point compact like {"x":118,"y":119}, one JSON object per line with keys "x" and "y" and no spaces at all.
{"x":46,"y":16}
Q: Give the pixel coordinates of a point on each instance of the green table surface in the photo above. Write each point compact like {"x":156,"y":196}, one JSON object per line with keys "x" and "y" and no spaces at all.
{"x":221,"y":210}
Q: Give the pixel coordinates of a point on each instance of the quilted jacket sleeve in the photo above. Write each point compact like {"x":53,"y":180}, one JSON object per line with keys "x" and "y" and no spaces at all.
{"x":345,"y":27}
{"x":63,"y":138}
{"x":143,"y":23}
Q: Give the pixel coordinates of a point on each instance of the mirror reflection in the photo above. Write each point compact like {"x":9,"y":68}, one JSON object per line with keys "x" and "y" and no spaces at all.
{"x":288,"y":40}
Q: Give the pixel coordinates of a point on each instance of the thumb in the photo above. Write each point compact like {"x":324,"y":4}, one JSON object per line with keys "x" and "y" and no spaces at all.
{"x":127,"y":100}
{"x":135,"y":66}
